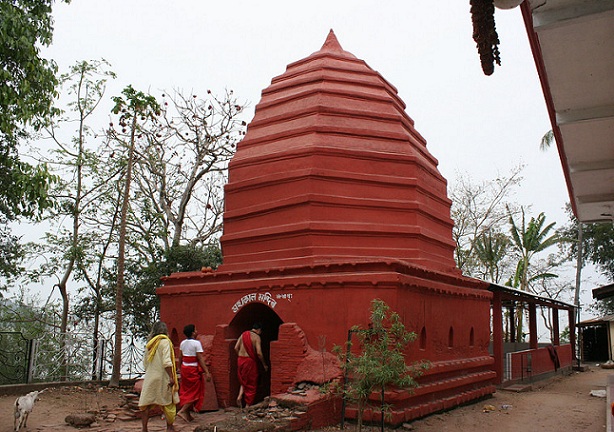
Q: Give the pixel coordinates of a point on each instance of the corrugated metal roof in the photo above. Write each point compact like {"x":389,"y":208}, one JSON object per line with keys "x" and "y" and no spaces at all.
{"x":517,"y":294}
{"x":603,"y":292}
{"x":596,"y":321}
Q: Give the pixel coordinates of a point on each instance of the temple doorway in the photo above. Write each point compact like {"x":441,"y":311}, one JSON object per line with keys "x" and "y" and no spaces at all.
{"x":245,"y":318}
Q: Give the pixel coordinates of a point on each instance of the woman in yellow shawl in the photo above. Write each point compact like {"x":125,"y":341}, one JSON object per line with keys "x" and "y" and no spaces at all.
{"x":160,"y":384}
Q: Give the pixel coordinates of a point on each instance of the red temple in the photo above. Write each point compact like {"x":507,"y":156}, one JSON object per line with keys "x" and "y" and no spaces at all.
{"x":333,"y":200}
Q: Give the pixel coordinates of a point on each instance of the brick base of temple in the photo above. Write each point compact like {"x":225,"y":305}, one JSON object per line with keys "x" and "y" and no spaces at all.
{"x":307,"y":311}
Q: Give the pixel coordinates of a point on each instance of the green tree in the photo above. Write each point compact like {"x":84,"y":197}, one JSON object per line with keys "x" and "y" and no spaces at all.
{"x":596,"y":247}
{"x":529,"y":239}
{"x":491,"y":250}
{"x":11,"y":254}
{"x":27,"y":88}
{"x":28,"y":321}
{"x":547,"y":140}
{"x":27,"y":81}
{"x":379,"y":360}
{"x":141,"y":303}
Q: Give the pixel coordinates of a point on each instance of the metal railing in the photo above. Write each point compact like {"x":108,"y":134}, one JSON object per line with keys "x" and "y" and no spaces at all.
{"x":65,"y":357}
{"x":15,"y":358}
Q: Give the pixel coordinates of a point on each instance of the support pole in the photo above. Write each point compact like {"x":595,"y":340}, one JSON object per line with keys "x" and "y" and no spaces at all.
{"x":555,"y":327}
{"x":532,"y":326}
{"x":497,"y":335}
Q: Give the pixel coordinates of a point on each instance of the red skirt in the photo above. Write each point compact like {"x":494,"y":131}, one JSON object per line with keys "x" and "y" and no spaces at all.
{"x":192,"y":387}
{"x":248,"y":377}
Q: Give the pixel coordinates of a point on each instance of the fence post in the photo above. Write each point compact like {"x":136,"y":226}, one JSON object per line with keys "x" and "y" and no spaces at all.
{"x":101,"y":351}
{"x":31,"y":348}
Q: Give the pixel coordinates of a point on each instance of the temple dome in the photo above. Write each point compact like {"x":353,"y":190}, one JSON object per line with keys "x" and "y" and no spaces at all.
{"x":332,"y":170}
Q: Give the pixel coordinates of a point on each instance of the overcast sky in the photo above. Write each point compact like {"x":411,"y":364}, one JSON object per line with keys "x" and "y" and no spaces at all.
{"x":473,"y":124}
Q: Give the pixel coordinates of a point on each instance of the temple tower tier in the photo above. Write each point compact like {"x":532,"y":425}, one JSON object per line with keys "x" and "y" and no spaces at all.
{"x":332,"y":169}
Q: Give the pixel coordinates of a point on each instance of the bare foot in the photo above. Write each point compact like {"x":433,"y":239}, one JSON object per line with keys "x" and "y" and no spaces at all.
{"x":186,"y":417}
{"x":240,"y":402}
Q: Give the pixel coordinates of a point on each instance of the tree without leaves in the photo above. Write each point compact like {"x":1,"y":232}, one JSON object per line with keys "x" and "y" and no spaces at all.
{"x":176,"y":204}
{"x":546,"y":283}
{"x":181,"y":172}
{"x":478,"y":210}
{"x":150,"y":225}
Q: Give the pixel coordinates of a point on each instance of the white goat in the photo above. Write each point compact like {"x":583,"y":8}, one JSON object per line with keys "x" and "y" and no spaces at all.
{"x":23,"y":408}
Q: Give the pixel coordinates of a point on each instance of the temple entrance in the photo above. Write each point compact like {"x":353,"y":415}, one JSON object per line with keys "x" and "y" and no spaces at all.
{"x":248,"y":315}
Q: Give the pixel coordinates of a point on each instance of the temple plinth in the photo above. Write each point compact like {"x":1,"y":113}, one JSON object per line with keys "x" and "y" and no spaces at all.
{"x":334,"y":200}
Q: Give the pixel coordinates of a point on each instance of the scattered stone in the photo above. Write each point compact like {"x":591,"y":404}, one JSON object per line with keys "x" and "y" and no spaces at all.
{"x":488,"y":408}
{"x":607,"y":365}
{"x":80,"y":420}
{"x":598,"y":393}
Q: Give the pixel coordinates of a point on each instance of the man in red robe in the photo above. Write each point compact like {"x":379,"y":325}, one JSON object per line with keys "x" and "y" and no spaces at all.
{"x":249,"y":350}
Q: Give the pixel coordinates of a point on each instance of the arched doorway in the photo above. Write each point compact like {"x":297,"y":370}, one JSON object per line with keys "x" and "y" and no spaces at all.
{"x":245,"y":318}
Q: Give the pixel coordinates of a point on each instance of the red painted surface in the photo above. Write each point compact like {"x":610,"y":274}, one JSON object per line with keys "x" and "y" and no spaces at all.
{"x":295,"y":361}
{"x":521,"y":368}
{"x":332,"y":169}
{"x":334,"y":200}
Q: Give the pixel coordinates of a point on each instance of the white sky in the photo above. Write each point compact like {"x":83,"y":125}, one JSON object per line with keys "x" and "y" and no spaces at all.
{"x":472,"y":123}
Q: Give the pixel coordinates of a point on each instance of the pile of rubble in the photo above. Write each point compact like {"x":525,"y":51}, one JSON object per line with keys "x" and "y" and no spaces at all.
{"x":130,"y":408}
{"x":302,"y":388}
{"x":92,"y":407}
{"x":271,"y":410}
{"x":280,"y":413}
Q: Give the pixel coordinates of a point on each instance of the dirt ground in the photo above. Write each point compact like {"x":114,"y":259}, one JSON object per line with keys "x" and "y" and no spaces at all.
{"x":559,"y":404}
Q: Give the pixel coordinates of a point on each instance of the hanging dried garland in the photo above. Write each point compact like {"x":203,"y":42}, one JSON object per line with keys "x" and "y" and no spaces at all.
{"x":485,"y":34}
